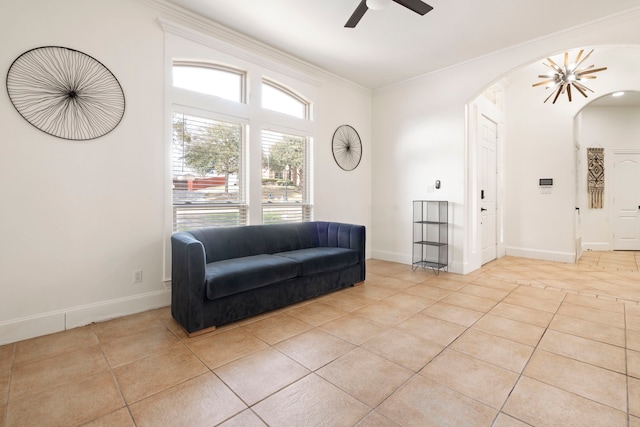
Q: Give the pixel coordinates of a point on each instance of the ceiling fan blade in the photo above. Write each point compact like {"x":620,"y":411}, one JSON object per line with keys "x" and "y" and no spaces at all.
{"x":357,"y":15}
{"x":417,"y":6}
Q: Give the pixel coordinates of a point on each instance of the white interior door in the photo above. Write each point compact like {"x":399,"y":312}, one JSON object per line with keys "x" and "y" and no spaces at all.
{"x":577,"y":218}
{"x":626,"y":201}
{"x":488,"y":142}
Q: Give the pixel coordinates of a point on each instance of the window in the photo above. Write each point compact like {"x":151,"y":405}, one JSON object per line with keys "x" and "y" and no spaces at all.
{"x":212,"y":183}
{"x":225,"y":83}
{"x":207,"y":173}
{"x":285,"y":194}
{"x":278,"y":98}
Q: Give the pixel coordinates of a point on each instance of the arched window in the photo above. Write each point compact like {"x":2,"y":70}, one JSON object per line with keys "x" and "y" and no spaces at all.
{"x":277,"y":98}
{"x":223,"y":82}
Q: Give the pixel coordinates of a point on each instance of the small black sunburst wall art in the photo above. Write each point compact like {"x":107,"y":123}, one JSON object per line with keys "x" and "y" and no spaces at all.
{"x":65,"y":93}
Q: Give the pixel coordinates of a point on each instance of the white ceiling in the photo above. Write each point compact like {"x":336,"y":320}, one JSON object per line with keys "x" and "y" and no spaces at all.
{"x":395,"y":43}
{"x":629,"y":99}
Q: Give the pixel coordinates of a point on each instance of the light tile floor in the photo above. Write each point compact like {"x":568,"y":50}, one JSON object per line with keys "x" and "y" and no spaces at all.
{"x":519,"y":342}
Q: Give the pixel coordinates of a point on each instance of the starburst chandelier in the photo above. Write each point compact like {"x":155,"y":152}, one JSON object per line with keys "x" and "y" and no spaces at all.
{"x":562,"y":78}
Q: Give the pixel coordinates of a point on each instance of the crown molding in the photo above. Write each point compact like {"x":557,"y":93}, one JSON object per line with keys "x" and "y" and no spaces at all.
{"x":237,"y":51}
{"x":192,"y":26}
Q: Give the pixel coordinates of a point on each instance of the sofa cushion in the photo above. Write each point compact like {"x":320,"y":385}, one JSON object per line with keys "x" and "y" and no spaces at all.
{"x":236,"y":275}
{"x":321,"y":260}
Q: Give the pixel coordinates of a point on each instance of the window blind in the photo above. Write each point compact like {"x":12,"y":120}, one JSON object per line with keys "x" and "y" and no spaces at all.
{"x":285,"y":171}
{"x":208,"y":184}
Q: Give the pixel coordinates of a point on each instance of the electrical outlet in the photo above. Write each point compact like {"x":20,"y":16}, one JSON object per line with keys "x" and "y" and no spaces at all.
{"x":137,"y":276}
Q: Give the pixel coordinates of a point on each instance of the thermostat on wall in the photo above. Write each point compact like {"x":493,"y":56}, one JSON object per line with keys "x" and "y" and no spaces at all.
{"x":546,"y":182}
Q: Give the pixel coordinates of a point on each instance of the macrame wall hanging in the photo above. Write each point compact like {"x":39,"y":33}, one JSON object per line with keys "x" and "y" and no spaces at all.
{"x":595,"y":158}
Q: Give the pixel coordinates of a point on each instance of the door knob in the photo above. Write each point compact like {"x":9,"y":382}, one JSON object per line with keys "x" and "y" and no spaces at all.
{"x":482,"y":209}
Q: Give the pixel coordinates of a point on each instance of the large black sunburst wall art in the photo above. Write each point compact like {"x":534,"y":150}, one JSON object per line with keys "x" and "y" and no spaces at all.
{"x":65,"y":93}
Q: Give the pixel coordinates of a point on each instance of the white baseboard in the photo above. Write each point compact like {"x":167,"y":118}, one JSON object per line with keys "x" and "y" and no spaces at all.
{"x":29,"y":327}
{"x":391,"y":257}
{"x":454,"y":267}
{"x":597,"y":246}
{"x":568,"y":257}
{"x":48,"y":323}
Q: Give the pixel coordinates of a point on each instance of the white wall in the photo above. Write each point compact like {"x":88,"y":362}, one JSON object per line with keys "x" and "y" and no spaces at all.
{"x":610,"y":128}
{"x":417,"y":141}
{"x":539,"y":144}
{"x":419,"y":136}
{"x":79,"y":217}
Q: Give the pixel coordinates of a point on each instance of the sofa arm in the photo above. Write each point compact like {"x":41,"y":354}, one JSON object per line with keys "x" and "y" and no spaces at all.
{"x":187,"y":280}
{"x":343,"y":235}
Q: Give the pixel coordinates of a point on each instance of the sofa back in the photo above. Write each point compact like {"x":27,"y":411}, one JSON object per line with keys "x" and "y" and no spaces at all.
{"x":235,"y":242}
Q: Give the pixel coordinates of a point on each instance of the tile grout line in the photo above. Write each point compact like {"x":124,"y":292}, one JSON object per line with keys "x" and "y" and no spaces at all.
{"x":535,"y":348}
{"x":500,"y":410}
{"x":453,"y":341}
{"x":572,"y":392}
{"x":188,"y":348}
{"x":626,"y":365}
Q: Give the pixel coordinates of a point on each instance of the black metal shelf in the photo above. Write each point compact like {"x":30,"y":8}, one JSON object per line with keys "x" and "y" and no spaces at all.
{"x":430,"y":235}
{"x":425,"y":242}
{"x":428,"y":264}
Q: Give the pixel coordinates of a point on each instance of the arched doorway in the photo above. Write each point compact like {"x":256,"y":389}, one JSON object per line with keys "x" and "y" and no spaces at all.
{"x":611,"y":125}
{"x":537,"y":141}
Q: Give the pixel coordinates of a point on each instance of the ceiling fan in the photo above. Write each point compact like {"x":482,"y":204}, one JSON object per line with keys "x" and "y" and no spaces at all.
{"x":417,"y":6}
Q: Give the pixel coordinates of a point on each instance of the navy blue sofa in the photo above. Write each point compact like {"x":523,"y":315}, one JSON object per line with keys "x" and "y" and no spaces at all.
{"x":220,"y":275}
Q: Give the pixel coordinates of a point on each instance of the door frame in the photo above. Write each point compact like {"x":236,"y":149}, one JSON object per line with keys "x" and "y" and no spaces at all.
{"x":578,"y":200}
{"x":481,"y":105}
